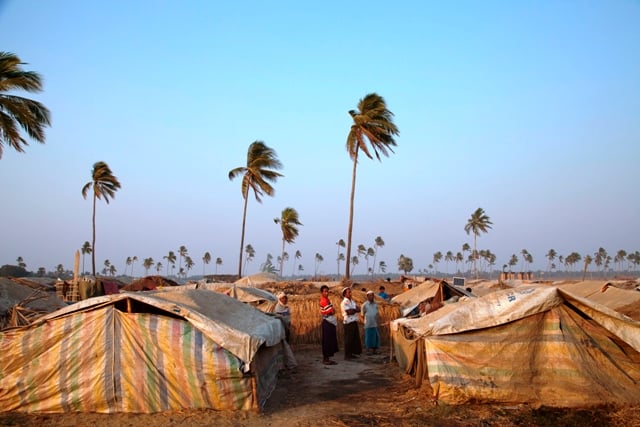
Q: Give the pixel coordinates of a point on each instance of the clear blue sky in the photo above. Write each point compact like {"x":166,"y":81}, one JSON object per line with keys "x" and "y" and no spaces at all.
{"x":527,"y":109}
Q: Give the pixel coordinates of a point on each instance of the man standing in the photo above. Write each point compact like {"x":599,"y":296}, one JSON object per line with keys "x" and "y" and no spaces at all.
{"x":283,"y":311}
{"x":352,"y":346}
{"x":370,"y":315}
{"x":329,"y":324}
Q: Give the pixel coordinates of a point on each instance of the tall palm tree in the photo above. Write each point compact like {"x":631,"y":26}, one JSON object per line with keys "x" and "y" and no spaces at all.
{"x":206,"y":259}
{"x":218,"y":262}
{"x":250,"y":253}
{"x":340,"y":258}
{"x":104,"y":185}
{"x":171,"y":259}
{"x":257,"y":175}
{"x":478,"y":223}
{"x":86,"y":249}
{"x":341,"y":244}
{"x":182,"y":253}
{"x":147,"y":263}
{"x":18,"y":112}
{"x":512,"y":261}
{"x":465,"y":248}
{"x":372,"y":122}
{"x":447,"y":259}
{"x":370,"y":253}
{"x":551,"y":255}
{"x":289,"y":222}
{"x":296,"y":257}
{"x":319,"y":260}
{"x":437,"y":257}
{"x":378,"y":243}
{"x":188,"y":264}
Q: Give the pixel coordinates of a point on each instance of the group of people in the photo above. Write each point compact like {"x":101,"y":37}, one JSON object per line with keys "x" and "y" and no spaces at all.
{"x":350,"y":316}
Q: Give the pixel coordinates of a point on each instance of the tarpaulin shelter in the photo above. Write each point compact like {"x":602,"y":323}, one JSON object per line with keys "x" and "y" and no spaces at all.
{"x":537,"y":345}
{"x":142,"y":352}
{"x":438,"y":291}
{"x":257,"y":279}
{"x":624,"y":301}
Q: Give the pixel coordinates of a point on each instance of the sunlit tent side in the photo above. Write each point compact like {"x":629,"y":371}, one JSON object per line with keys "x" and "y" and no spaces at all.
{"x":537,"y":345}
{"x":142,"y":352}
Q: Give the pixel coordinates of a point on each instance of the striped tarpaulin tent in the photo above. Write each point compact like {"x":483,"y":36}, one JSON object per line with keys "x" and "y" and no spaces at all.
{"x":534,"y":345}
{"x":116,"y":354}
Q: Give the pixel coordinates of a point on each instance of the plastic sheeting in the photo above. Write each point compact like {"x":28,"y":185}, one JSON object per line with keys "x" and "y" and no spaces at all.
{"x":530,"y":345}
{"x":212,"y":351}
{"x":238,"y":327}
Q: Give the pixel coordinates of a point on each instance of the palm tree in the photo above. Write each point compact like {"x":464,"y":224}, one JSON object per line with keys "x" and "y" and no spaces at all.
{"x":341,"y":244}
{"x":133,"y":262}
{"x":104,"y":185}
{"x":296,"y":257}
{"x":171,"y":259}
{"x":512,"y":261}
{"x":459,"y":259}
{"x":619,"y":258}
{"x":587,"y":262}
{"x":354,"y":261}
{"x":382,"y":266}
{"x":107,"y":264}
{"x":448,"y":257}
{"x":319,"y":260}
{"x":257,"y":175}
{"x":86,"y":249}
{"x":218,"y":262}
{"x":405,"y":264}
{"x":127,"y":263}
{"x":370,"y":253}
{"x":525,"y":259}
{"x":340,"y":258}
{"x":551,"y":255}
{"x":479,"y":222}
{"x":206,"y":259}
{"x":284,"y":257}
{"x":465,"y":248}
{"x":188,"y":263}
{"x":378,"y":243}
{"x":158,"y":267}
{"x":147,"y":263}
{"x":250,"y":253}
{"x":21,"y":262}
{"x":289,"y":222}
{"x":182,"y":252}
{"x":437,"y":257}
{"x":372,"y":122}
{"x":18,"y":112}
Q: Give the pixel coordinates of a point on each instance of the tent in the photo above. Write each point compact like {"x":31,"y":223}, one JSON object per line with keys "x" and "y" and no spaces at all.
{"x":624,"y":301}
{"x":537,"y":345}
{"x":438,"y":290}
{"x":257,"y":279}
{"x":142,"y":352}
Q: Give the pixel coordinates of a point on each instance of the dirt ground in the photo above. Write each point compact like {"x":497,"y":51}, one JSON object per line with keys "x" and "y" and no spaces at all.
{"x":369,"y":391}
